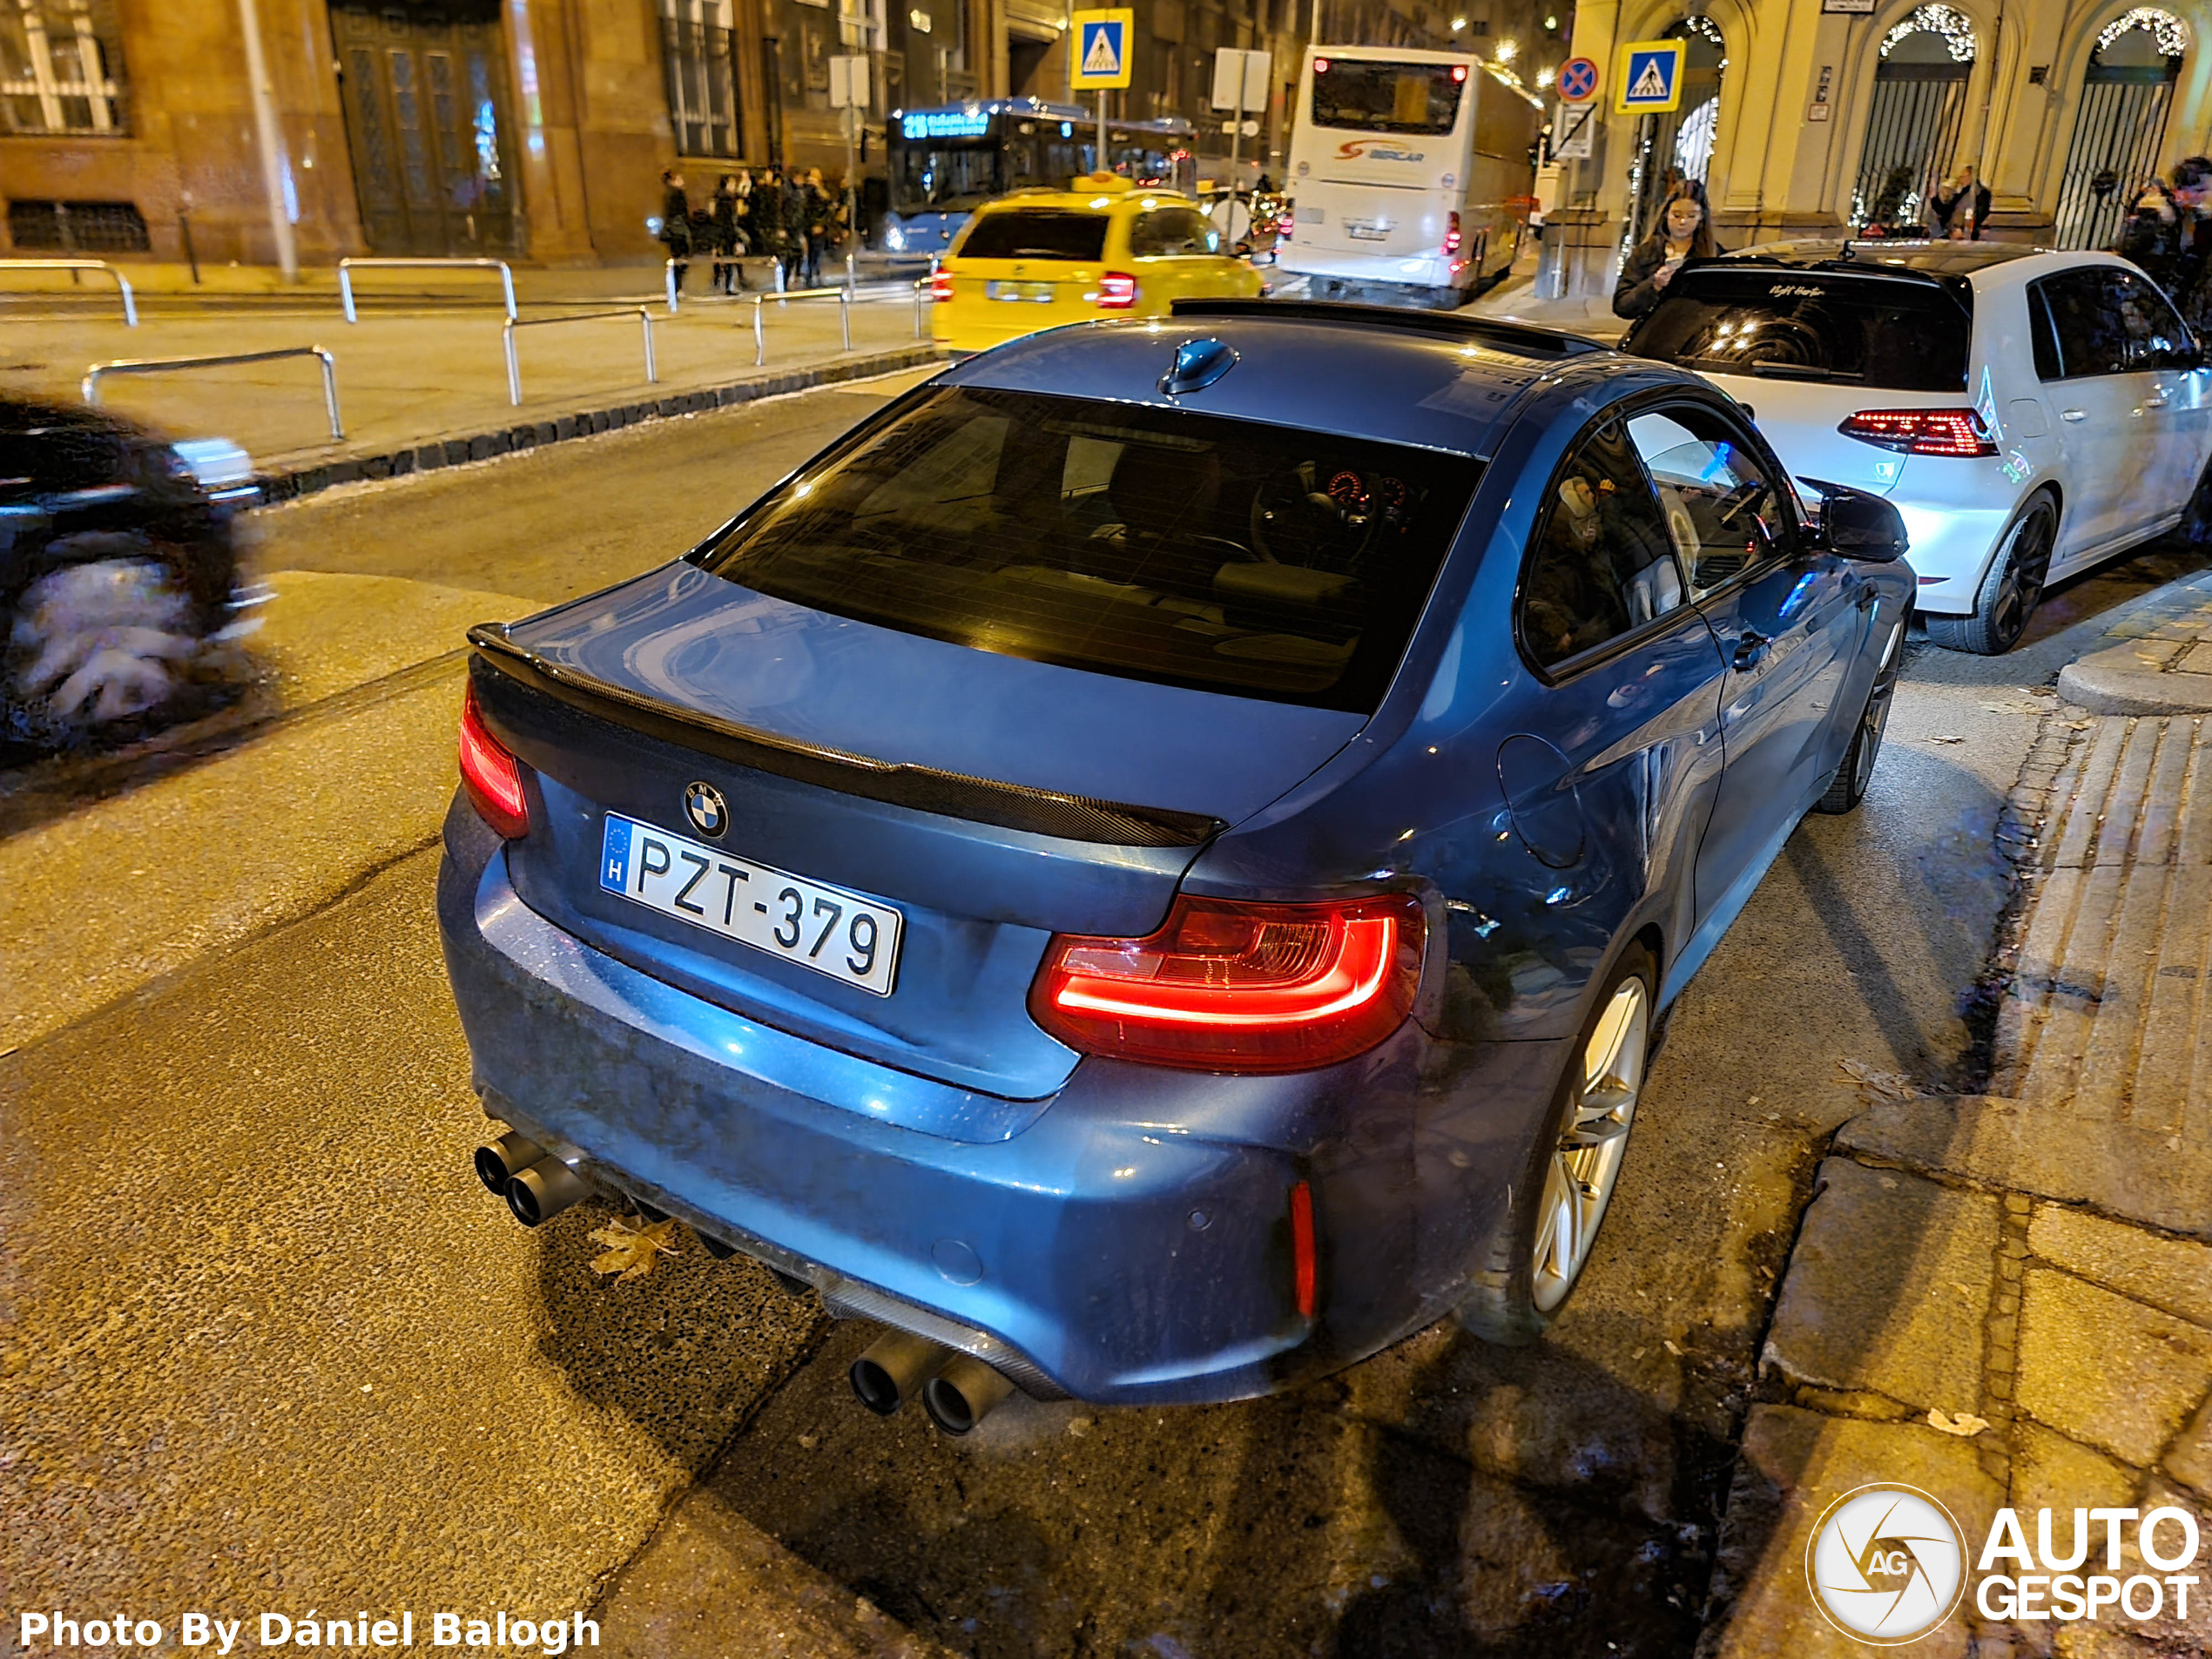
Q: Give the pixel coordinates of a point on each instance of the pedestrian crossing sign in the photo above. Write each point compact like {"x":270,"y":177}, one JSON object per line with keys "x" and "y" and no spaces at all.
{"x":1646,"y":77}
{"x":1100,"y":57}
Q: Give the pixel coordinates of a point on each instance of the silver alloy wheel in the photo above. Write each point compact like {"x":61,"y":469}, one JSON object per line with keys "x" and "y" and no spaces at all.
{"x":1578,"y":1181}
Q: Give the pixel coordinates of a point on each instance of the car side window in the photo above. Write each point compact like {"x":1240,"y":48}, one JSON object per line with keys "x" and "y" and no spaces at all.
{"x":1601,"y":565}
{"x":1723,"y":509}
{"x":2045,"y":333}
{"x":2091,"y":337}
{"x":2154,"y":336}
{"x":1171,"y":231}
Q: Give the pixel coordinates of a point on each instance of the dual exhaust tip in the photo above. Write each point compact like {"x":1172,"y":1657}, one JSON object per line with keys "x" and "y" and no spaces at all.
{"x":537,"y":1185}
{"x":957,"y":1390}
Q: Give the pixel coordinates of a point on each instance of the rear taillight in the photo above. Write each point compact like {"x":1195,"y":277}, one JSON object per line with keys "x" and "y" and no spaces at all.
{"x":1233,"y":986}
{"x":1286,"y":219}
{"x":940,"y":287}
{"x":1921,"y":432}
{"x":1451,"y":238}
{"x":490,"y":775}
{"x":1116,"y":292}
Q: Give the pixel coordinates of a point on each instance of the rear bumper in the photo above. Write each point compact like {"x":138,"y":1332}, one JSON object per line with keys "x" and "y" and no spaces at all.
{"x":1302,"y":259}
{"x":1132,"y":1245}
{"x":1951,"y":543}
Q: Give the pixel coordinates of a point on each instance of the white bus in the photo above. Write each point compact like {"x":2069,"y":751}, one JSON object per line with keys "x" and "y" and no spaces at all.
{"x":1410,"y":175}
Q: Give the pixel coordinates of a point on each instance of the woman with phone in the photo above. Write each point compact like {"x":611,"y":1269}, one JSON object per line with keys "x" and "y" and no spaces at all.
{"x":1684,"y":236}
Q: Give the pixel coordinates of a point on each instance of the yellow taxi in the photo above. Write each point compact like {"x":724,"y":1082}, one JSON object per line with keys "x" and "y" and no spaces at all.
{"x":1103,"y":248}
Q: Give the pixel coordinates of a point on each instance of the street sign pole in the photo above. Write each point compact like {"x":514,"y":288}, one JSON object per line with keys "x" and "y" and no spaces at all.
{"x":1103,"y":165}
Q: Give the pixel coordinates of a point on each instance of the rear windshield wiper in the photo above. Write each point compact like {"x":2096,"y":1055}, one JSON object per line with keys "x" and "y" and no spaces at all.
{"x":1767,"y":369}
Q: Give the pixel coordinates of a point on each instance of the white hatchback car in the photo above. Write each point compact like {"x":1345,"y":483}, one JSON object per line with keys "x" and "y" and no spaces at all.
{"x":2028,"y":413}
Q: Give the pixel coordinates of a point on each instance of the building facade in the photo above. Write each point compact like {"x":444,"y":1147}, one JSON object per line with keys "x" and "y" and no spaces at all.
{"x":1805,"y":119}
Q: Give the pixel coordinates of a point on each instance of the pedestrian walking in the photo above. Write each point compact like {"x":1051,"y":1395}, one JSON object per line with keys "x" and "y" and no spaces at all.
{"x":2169,"y":233}
{"x":675,"y":224}
{"x":765,"y":219}
{"x":729,"y":234}
{"x":794,"y":206}
{"x":1958,"y":211}
{"x":1684,"y":237}
{"x":820,"y":215}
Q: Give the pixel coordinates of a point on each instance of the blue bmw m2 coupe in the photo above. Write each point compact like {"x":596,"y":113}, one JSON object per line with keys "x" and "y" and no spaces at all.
{"x":1152,"y":867}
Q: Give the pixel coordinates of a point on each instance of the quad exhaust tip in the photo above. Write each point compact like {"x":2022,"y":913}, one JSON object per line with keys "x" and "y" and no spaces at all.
{"x":961,"y":1394}
{"x":504,"y":1159}
{"x":957,"y":1390}
{"x":544,"y":1190}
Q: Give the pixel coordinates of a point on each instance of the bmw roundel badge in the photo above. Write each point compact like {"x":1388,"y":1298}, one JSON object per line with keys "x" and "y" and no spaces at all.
{"x":704,"y":805}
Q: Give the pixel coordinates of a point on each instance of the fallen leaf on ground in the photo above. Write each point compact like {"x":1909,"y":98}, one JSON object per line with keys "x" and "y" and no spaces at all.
{"x":1946,"y":739}
{"x":1965,"y":1424}
{"x":1879,"y":1085}
{"x":632,"y":1252}
{"x":2079,"y":725}
{"x":2016,"y":706}
{"x":1669,"y":1346}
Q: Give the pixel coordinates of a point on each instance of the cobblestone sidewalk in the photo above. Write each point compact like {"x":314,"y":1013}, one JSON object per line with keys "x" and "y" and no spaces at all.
{"x":2006,"y":1300}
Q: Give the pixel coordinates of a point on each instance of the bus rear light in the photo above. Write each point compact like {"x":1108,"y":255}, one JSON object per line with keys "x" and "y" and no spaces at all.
{"x":1452,"y":237}
{"x":1117,"y":291}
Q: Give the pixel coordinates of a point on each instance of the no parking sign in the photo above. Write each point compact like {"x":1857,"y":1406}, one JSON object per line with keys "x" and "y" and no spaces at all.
{"x":1578,"y":80}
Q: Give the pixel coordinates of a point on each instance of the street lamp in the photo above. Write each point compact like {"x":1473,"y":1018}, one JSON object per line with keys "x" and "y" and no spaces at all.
{"x":1507,"y":50}
{"x":1457,"y":23}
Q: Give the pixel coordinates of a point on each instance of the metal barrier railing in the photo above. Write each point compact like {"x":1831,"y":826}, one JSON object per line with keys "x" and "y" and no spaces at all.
{"x":844,"y":316}
{"x":90,"y":388}
{"x":923,"y":299}
{"x":668,"y":279}
{"x":514,"y":371}
{"x":129,"y":299}
{"x":347,"y":267}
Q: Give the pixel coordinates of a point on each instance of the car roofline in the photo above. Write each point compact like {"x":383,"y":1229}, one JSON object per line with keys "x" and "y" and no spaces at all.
{"x":1524,"y":340}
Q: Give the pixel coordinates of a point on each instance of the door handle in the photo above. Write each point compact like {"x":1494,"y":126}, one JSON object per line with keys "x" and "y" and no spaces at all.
{"x":1867,"y":594}
{"x":2073,"y":415}
{"x":1750,"y":648}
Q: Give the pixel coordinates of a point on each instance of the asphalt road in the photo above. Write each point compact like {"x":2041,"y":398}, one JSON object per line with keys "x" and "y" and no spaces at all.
{"x":265,"y":1343}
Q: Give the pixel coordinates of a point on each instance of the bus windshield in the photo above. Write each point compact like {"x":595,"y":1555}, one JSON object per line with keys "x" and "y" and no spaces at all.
{"x":942,"y":177}
{"x":1386,"y":97}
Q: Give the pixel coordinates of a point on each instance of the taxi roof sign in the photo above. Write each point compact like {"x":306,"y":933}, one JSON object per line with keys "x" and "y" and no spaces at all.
{"x":1100,"y":57}
{"x":1646,"y":77}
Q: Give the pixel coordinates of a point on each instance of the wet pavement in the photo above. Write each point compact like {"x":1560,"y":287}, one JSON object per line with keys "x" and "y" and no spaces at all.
{"x":268,"y":1345}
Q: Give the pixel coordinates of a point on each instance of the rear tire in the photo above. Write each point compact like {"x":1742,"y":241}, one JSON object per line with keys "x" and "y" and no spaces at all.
{"x":2010,"y":590}
{"x":1538,"y":1254}
{"x":1848,"y":788}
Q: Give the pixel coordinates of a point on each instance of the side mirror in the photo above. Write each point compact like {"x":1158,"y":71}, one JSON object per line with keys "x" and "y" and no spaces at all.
{"x":1857,"y":525}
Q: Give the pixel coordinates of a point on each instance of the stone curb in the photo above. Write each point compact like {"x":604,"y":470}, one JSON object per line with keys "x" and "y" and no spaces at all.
{"x":2147,"y":1178}
{"x":452,"y":452}
{"x":2116,"y":681}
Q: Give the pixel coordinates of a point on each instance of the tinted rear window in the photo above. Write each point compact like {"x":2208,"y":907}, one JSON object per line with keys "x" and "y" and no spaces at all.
{"x":1388,"y":97}
{"x":1225,"y":555}
{"x":1035,"y":233}
{"x":1899,"y":336}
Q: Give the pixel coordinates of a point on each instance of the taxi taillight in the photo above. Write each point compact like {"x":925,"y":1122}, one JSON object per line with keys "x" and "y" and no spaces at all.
{"x":1117,"y":291}
{"x":940,"y":287}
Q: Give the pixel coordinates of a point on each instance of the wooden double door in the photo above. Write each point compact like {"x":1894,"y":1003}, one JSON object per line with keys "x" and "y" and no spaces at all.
{"x":424,"y":88}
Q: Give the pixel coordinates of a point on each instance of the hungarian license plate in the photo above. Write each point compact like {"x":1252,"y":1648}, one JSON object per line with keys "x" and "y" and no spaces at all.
{"x":1363,"y":230}
{"x":1040,"y":293}
{"x":826,"y":929}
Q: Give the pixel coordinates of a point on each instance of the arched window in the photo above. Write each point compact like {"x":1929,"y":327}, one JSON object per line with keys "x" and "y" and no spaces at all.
{"x":2126,"y":92}
{"x":1913,"y":122}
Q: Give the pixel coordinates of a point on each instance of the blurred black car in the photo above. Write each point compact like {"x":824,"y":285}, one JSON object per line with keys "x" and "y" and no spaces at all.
{"x":117,"y":565}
